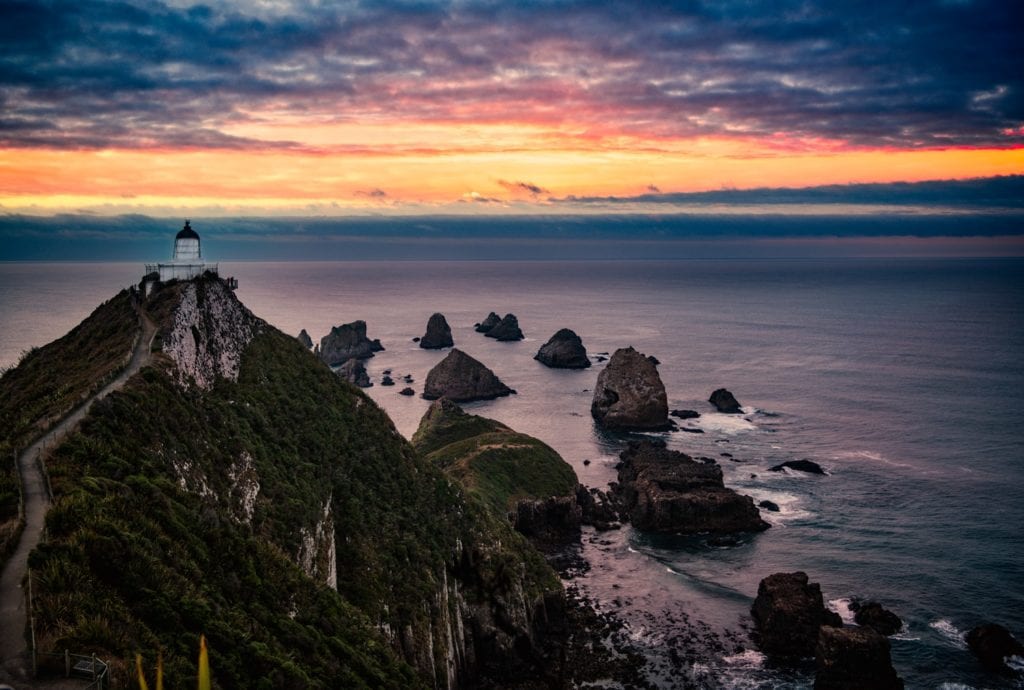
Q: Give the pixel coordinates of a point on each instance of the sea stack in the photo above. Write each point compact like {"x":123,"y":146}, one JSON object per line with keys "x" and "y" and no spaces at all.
{"x":726,"y":402}
{"x":853,"y":658}
{"x":507,"y":330}
{"x":438,"y":335}
{"x":346,"y":342}
{"x":353,"y":371}
{"x":563,"y":351}
{"x":629,"y":395}
{"x":788,"y":612}
{"x":461,"y":378}
{"x":487,"y":324}
{"x":305,"y":339}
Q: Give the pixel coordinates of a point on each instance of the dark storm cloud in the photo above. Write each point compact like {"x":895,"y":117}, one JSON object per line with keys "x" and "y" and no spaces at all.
{"x":923,"y":74}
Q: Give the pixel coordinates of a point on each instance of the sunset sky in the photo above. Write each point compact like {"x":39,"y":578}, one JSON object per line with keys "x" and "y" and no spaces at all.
{"x":286,"y":108}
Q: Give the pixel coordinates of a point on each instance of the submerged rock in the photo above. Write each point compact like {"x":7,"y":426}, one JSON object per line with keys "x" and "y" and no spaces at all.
{"x":663,"y":490}
{"x":853,"y":659}
{"x":788,"y":612}
{"x":769,"y":505}
{"x":461,"y":378}
{"x":563,"y":351}
{"x":487,"y":324}
{"x":346,"y":342}
{"x":304,"y":338}
{"x":439,"y":333}
{"x":725,"y":402}
{"x":507,"y":330}
{"x":629,"y":394}
{"x":808,"y":466}
{"x":872,"y":615}
{"x":993,"y":645}
{"x":684,"y":414}
{"x":353,"y":371}
{"x":407,"y":391}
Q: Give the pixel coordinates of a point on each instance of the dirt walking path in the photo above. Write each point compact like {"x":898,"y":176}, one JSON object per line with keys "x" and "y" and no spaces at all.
{"x":14,"y":656}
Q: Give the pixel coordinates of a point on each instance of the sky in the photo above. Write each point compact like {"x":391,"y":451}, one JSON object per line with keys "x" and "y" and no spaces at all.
{"x":287,"y":109}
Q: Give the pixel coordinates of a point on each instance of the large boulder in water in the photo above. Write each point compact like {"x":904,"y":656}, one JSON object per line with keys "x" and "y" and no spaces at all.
{"x":563,"y":351}
{"x":353,"y":371}
{"x":629,"y":394}
{"x":461,"y":378}
{"x":873,"y":615}
{"x":439,"y":333}
{"x":487,"y":324}
{"x":788,"y":612}
{"x":994,"y":645}
{"x":724,"y":401}
{"x":663,"y":490}
{"x":507,"y":330}
{"x":346,"y":342}
{"x":853,"y":659}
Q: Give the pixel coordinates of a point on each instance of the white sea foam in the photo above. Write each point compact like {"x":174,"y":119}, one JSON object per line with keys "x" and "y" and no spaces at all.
{"x":872,"y":456}
{"x":949,"y":632}
{"x":750,"y":658}
{"x":842,"y":607}
{"x":1016,"y":663}
{"x":730,"y":424}
{"x":790,"y":505}
{"x":955,"y":686}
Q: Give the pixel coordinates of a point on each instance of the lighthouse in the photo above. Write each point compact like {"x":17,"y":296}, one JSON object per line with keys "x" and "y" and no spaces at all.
{"x":187,"y":261}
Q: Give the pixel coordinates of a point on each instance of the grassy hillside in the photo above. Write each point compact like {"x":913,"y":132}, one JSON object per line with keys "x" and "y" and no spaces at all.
{"x":496,"y":464}
{"x":52,"y":380}
{"x":158,"y":534}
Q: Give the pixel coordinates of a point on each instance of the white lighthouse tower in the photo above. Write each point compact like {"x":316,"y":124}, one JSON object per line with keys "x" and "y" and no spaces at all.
{"x":187,"y":262}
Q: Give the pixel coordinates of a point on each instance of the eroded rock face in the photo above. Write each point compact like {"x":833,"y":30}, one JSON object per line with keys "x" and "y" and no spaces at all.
{"x":346,"y":342}
{"x":563,"y":351}
{"x":461,"y":378}
{"x":853,"y":659}
{"x":788,"y":612}
{"x":873,"y":615}
{"x":507,"y":330}
{"x":208,"y":333}
{"x":552,"y":521}
{"x":304,"y":338}
{"x":629,"y":394}
{"x":993,"y":645}
{"x":726,"y":402}
{"x":663,"y":490}
{"x":353,"y":371}
{"x":487,"y":324}
{"x":438,"y":335}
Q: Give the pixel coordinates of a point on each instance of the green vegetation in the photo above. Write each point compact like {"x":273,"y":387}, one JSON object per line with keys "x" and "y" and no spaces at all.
{"x":149,"y":545}
{"x":51,"y":381}
{"x":496,"y":464}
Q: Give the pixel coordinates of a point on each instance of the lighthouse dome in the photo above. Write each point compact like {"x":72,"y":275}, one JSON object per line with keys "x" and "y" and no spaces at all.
{"x":187,"y":233}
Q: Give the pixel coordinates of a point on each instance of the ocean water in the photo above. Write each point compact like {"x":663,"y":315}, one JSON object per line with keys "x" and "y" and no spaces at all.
{"x":903,"y":378}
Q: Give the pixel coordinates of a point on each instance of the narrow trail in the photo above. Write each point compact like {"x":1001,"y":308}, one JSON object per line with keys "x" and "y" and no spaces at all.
{"x":15,"y":664}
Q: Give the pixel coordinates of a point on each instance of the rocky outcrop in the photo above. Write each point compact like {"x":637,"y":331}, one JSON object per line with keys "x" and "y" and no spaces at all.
{"x":386,"y":380}
{"x":684,"y":414}
{"x":629,"y":394}
{"x":853,"y":659}
{"x":461,"y":378}
{"x":808,"y":466}
{"x":353,"y":371}
{"x":873,"y":615}
{"x":438,"y":335}
{"x":724,"y":401}
{"x":597,"y":508}
{"x":788,"y":612}
{"x":407,"y":392}
{"x":506,"y":330}
{"x":563,"y":351}
{"x":317,"y":549}
{"x":304,"y":338}
{"x":207,"y":332}
{"x":346,"y":342}
{"x":548,"y":522}
{"x":663,"y":490}
{"x":994,"y":646}
{"x":487,"y":324}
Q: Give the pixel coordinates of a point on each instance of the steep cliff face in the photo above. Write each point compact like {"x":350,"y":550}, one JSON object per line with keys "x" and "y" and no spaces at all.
{"x":238,"y":488}
{"x":207,"y":332}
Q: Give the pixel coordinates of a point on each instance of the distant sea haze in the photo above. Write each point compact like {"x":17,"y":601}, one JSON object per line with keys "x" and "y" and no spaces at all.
{"x":902,"y":377}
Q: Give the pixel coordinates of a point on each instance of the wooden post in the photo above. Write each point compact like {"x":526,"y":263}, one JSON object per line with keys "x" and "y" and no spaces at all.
{"x":67,"y":664}
{"x":94,"y":665}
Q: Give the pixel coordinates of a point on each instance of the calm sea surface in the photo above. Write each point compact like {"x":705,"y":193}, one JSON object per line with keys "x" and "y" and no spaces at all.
{"x":903,"y":378}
